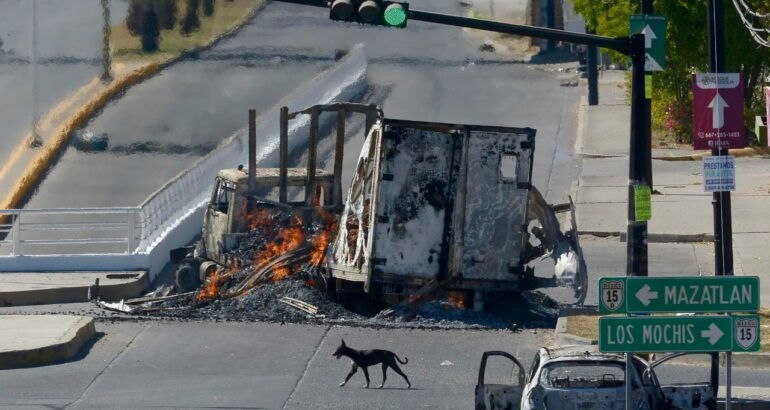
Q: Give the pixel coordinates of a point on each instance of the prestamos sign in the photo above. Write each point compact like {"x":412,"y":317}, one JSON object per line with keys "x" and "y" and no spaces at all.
{"x":719,"y":173}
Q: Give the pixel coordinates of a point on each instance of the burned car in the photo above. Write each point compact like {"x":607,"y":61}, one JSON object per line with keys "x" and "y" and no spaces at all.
{"x":581,"y":377}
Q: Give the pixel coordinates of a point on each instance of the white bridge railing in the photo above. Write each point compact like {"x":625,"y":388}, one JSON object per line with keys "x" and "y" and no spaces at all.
{"x":69,"y":230}
{"x":141,"y":237}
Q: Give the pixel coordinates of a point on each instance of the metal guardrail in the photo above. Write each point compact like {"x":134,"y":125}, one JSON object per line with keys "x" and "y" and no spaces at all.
{"x":69,"y":230}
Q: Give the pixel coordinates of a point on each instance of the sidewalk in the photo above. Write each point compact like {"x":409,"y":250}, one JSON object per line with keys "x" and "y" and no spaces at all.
{"x":682,"y":212}
{"x":36,"y":340}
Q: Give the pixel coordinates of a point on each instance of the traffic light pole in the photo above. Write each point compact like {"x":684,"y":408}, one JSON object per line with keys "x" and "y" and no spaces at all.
{"x":647,"y":9}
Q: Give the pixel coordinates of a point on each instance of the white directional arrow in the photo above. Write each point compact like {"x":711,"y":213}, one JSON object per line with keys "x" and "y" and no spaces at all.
{"x":718,"y":105}
{"x":713,"y":334}
{"x":649,"y":35}
{"x":645,"y":296}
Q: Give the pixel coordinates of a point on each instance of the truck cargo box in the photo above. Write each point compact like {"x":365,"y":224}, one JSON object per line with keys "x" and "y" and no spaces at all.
{"x":437,"y":201}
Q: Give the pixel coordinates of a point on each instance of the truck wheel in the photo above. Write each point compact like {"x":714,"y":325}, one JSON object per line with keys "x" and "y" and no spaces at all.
{"x":187,"y":277}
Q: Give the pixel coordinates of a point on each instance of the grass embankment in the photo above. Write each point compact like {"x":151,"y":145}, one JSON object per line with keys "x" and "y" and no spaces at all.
{"x":127,"y":49}
{"x":588,"y":326}
{"x":226,"y":17}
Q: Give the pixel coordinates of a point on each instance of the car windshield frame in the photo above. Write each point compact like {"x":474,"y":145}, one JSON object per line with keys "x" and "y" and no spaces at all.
{"x":543,"y":381}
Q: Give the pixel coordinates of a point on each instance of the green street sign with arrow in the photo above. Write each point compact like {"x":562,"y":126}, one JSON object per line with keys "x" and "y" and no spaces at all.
{"x":693,"y":294}
{"x":679,"y":334}
{"x":654,"y":30}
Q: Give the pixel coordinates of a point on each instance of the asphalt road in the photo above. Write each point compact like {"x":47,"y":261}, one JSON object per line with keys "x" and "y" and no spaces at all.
{"x":69,"y":35}
{"x":238,"y":365}
{"x":257,"y":365}
{"x":424,"y":72}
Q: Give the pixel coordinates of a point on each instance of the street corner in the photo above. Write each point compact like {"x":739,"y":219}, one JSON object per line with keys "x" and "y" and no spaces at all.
{"x":39,"y":340}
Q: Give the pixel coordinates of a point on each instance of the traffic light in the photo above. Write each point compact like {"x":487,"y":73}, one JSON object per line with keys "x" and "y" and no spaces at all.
{"x":375,"y":12}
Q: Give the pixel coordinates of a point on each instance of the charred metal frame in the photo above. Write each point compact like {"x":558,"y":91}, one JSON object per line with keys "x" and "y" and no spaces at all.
{"x":372,"y":113}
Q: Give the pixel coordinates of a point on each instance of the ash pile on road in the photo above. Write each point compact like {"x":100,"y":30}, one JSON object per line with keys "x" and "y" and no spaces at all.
{"x":263,"y":303}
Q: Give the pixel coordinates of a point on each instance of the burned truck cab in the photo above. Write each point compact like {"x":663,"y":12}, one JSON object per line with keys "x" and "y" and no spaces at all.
{"x":234,"y":208}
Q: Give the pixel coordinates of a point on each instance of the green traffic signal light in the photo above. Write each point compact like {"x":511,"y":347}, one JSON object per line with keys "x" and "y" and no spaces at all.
{"x":395,"y":15}
{"x":375,"y":12}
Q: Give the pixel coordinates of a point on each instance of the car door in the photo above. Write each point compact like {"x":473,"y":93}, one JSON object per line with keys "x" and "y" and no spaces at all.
{"x":499,"y":396}
{"x":685,"y":384}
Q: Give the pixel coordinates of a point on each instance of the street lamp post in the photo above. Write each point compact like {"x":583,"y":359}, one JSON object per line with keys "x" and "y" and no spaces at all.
{"x":35,"y":141}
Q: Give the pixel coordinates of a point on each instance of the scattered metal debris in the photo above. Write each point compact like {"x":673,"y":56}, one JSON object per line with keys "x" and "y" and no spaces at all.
{"x":303,"y":306}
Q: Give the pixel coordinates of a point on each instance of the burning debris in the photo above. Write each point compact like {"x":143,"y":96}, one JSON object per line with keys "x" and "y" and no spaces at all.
{"x":279,"y":244}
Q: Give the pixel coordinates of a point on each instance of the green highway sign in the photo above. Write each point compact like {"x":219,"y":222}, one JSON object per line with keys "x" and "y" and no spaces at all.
{"x":654,"y":29}
{"x":679,"y":334}
{"x":694,"y":294}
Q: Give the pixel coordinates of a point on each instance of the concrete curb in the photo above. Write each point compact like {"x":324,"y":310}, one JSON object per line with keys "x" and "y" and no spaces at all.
{"x":69,"y":344}
{"x":74,"y":294}
{"x":656,"y":237}
{"x":580,"y":133}
{"x":739,"y":153}
{"x":38,"y":168}
{"x":747,"y":360}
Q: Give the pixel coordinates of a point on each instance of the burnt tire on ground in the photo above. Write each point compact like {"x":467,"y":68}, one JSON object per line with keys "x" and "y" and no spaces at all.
{"x":187,"y":277}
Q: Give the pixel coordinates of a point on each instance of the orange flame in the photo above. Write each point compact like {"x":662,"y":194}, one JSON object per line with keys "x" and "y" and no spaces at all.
{"x":214,"y":281}
{"x":288,"y":237}
{"x":456,"y":299}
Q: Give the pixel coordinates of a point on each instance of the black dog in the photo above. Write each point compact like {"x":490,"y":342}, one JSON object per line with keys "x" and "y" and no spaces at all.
{"x":366,"y":358}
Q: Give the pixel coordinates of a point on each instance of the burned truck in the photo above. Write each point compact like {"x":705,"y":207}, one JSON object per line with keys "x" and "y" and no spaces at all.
{"x":429,"y":206}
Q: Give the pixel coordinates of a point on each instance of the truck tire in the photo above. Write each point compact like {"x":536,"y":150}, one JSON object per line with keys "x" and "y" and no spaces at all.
{"x":187,"y":277}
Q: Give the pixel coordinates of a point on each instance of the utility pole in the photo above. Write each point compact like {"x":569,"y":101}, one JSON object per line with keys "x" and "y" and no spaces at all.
{"x":636,"y":236}
{"x":550,"y":17}
{"x":593,"y":80}
{"x":35,"y":141}
{"x":723,"y":226}
{"x":638,"y":159}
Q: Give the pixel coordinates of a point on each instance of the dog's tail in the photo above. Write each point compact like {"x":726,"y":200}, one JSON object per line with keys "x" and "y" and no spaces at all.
{"x":406,"y":359}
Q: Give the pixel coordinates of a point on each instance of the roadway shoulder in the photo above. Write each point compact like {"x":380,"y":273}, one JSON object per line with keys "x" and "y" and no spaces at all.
{"x":37,"y":340}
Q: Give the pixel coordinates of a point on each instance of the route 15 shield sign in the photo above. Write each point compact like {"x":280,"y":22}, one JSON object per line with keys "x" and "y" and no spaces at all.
{"x":746,"y":332}
{"x":612,"y":294}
